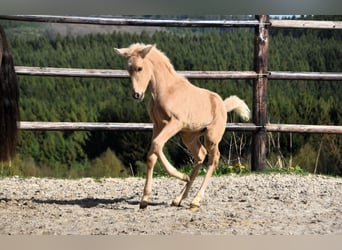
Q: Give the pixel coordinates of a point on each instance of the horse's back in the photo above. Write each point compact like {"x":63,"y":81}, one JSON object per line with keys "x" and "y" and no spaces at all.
{"x":196,"y":107}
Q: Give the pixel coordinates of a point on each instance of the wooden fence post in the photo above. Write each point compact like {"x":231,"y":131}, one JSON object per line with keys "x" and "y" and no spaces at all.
{"x":259,"y":94}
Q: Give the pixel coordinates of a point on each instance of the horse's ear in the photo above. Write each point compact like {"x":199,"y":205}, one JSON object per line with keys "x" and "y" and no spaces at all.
{"x":123,"y":51}
{"x":146,"y":50}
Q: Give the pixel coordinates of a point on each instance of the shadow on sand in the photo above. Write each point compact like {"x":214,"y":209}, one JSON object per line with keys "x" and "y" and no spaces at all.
{"x":94,"y":202}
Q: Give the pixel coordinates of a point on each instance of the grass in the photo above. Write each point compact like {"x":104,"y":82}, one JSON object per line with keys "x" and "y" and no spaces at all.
{"x":27,"y":168}
{"x":241,"y":169}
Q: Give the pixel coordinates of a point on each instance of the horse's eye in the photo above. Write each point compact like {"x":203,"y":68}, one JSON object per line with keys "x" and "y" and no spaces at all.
{"x":139,"y":69}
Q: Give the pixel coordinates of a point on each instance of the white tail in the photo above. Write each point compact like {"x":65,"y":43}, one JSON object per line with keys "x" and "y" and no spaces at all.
{"x":239,"y":106}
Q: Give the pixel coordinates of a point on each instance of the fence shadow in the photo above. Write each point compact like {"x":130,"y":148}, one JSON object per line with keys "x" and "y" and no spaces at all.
{"x":95,"y":202}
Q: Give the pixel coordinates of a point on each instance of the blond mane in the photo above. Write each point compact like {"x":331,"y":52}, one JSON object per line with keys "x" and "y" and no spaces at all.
{"x":155,"y":56}
{"x":159,"y":57}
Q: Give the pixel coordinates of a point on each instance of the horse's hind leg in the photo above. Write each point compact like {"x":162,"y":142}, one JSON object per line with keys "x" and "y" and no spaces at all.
{"x":214,"y":156}
{"x":192,"y":142}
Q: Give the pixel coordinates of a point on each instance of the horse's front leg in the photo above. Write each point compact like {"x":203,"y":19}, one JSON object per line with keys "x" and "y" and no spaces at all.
{"x":168,"y":131}
{"x":156,"y":150}
{"x":151,"y":161}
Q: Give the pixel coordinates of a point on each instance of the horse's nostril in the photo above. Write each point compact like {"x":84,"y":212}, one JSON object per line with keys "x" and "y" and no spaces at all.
{"x":136,"y":95}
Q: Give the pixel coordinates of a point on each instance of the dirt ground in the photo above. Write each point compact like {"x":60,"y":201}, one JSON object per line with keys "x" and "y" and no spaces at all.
{"x":255,"y":204}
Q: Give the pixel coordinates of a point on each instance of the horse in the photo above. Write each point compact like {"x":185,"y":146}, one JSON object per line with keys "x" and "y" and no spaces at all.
{"x":9,"y":101}
{"x":177,"y":106}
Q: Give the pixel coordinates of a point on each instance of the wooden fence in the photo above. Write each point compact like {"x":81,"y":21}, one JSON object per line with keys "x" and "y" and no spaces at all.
{"x":260,"y":75}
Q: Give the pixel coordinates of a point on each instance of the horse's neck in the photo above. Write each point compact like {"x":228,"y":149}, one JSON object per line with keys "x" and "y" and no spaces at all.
{"x":162,"y":80}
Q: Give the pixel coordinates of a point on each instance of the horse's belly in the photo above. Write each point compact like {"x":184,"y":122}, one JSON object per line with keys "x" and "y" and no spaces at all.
{"x":194,"y":123}
{"x":194,"y":128}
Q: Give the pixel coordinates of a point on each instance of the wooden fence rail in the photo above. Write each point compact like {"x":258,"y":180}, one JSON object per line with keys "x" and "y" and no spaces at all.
{"x":300,"y":24}
{"x":116,"y":73}
{"x":110,"y":126}
{"x":119,"y":21}
{"x":133,"y":21}
{"x":89,"y":126}
{"x":260,"y":75}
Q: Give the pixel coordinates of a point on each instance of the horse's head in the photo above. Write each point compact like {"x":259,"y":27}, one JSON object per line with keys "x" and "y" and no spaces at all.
{"x":139,"y":69}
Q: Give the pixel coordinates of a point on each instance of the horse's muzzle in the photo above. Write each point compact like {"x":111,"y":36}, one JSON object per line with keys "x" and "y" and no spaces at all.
{"x":138,"y":96}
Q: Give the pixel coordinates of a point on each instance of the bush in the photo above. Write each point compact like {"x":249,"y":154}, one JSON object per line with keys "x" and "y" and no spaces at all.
{"x":107,"y":165}
{"x":306,"y":158}
{"x":140,"y":168}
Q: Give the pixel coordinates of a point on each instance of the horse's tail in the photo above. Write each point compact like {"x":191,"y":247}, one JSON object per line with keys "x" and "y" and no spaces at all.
{"x":239,"y":106}
{"x":9,"y":101}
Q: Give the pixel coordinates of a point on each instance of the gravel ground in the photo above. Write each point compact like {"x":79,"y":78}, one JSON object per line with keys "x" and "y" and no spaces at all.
{"x":255,"y":204}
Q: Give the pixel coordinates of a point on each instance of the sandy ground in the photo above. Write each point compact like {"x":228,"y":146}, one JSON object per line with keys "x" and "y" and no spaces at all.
{"x":255,"y":204}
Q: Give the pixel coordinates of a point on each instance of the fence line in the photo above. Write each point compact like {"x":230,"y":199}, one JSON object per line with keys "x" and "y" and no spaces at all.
{"x":126,"y":21}
{"x":89,"y":126}
{"x":300,"y":24}
{"x":133,"y":21}
{"x":108,"y":73}
{"x":296,"y":128}
{"x":114,"y":126}
{"x":287,"y":75}
{"x":115,"y":73}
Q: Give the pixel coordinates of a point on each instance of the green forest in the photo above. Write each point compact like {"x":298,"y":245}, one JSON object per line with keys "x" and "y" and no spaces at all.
{"x":122,"y":153}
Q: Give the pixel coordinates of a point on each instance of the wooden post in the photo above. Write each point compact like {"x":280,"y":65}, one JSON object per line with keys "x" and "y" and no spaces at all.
{"x":259,"y":94}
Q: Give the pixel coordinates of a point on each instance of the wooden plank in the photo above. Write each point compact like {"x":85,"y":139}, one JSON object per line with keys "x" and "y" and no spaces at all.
{"x":247,"y":127}
{"x":295,"y":128}
{"x":132,"y":21}
{"x":83,"y":126}
{"x":288,"y":75}
{"x":108,"y":73}
{"x":71,"y":72}
{"x":306,"y":24}
{"x":116,"y":73}
{"x":274,"y":23}
{"x":90,"y":126}
{"x":241,"y":127}
{"x":218,"y":74}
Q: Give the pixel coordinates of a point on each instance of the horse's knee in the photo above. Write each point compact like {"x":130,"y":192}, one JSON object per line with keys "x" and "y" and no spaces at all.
{"x":216,"y":158}
{"x":217,"y":154}
{"x":151,"y":160}
{"x":202,"y":153}
{"x":214,"y":155}
{"x":156,"y":147}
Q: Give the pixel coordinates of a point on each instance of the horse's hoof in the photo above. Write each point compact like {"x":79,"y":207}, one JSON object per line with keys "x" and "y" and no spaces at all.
{"x":194,"y":208}
{"x":176,"y":202}
{"x":195,"y":204}
{"x":186,"y":178}
{"x":143,"y":205}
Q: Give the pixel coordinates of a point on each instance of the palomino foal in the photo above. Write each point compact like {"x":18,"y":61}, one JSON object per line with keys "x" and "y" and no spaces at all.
{"x":177,"y":106}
